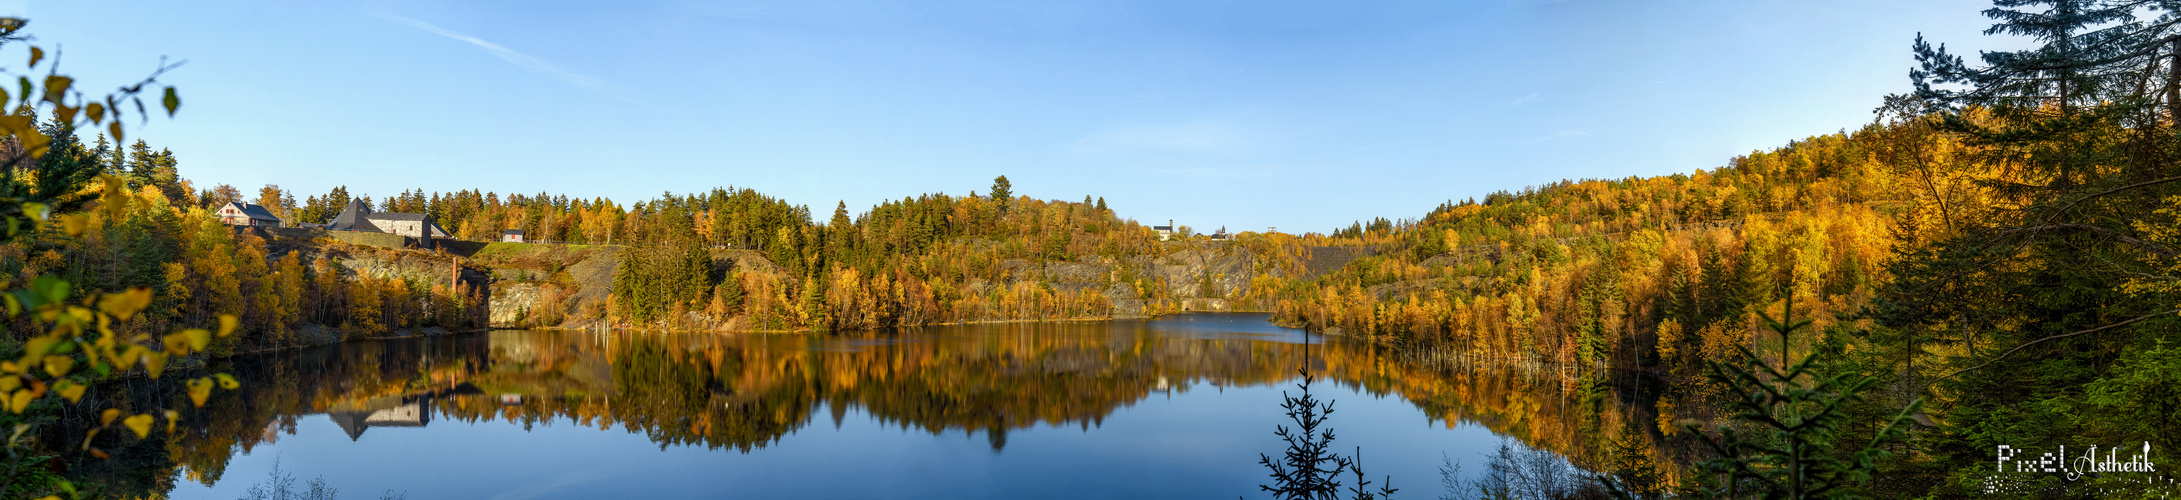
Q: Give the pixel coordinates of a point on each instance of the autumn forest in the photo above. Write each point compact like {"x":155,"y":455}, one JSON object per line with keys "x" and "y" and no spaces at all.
{"x":1992,"y":261}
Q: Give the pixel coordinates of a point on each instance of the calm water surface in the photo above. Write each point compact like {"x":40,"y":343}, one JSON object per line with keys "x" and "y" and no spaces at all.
{"x":1175,"y":407}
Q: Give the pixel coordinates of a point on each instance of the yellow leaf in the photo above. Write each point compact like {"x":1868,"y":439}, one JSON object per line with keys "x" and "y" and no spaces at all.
{"x":10,"y":383}
{"x":172,"y":417}
{"x":101,"y":454}
{"x":36,"y":54}
{"x":59,"y":365}
{"x":71,"y":390}
{"x":177,"y":344}
{"x":227,"y":324}
{"x":36,"y":142}
{"x":198,"y":339}
{"x":19,"y":400}
{"x":56,"y":88}
{"x":125,"y":304}
{"x":96,"y":112}
{"x":38,"y":346}
{"x":155,"y":363}
{"x":129,"y":356}
{"x":73,"y":223}
{"x":107,"y":417}
{"x":200,"y":389}
{"x":139,"y":424}
{"x":16,"y":124}
{"x":112,"y":128}
{"x":25,"y":129}
{"x":10,"y":367}
{"x":227,"y":381}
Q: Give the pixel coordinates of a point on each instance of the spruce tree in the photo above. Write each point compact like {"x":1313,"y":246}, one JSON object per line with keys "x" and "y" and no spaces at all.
{"x":2032,"y":295}
{"x":1002,"y":192}
{"x":1787,"y":422}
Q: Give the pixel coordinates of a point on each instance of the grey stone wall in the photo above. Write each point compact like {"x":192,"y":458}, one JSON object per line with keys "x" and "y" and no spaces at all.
{"x":409,"y":228}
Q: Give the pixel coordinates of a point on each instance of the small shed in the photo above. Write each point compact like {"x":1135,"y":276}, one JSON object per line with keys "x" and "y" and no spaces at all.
{"x":511,"y":236}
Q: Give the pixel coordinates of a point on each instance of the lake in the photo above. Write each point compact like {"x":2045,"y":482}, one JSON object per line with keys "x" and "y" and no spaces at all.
{"x":1179,"y":406}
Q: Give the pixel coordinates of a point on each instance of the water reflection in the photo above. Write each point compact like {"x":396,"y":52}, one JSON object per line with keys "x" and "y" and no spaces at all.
{"x":748,"y":393}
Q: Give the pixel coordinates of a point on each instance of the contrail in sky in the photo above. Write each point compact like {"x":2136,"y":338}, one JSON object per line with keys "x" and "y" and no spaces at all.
{"x":525,"y":61}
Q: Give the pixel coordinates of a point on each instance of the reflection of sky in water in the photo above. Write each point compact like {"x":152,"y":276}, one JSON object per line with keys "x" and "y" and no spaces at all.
{"x":1196,"y":440}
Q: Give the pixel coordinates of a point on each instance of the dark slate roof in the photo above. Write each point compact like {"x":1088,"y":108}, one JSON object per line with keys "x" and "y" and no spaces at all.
{"x":254,"y":211}
{"x":351,"y":422}
{"x":354,"y":218}
{"x":512,"y":231}
{"x":1162,"y":228}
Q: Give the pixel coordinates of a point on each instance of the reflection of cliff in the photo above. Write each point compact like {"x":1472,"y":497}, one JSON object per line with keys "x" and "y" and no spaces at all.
{"x":747,"y":392}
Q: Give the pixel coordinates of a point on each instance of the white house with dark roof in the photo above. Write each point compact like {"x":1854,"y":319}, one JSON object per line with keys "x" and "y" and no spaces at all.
{"x":1166,"y":232}
{"x":511,"y":236}
{"x":246,"y":214}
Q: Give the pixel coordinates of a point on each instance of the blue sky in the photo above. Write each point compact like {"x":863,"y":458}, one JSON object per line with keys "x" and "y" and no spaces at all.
{"x":1242,"y":114}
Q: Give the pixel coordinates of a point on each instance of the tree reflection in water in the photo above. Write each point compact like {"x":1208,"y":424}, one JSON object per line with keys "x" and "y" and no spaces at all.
{"x":747,"y":392}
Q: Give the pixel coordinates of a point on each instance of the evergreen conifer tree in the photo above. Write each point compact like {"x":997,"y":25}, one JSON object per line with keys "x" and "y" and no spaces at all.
{"x":1002,"y":192}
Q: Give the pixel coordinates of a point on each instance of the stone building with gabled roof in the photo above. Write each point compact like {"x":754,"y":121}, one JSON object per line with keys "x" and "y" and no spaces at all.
{"x":359,"y":217}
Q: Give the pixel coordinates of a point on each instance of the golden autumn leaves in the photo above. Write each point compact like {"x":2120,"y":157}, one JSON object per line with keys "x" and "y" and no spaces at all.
{"x":79,"y":345}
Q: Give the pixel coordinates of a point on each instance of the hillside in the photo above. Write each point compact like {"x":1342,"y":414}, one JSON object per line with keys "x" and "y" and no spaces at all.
{"x":1633,"y":272}
{"x":573,"y":286}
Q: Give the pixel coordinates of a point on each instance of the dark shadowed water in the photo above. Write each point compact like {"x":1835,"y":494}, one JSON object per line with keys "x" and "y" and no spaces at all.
{"x":1176,"y":407}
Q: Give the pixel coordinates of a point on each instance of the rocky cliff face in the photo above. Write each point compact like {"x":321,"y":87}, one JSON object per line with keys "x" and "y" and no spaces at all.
{"x":536,"y":286}
{"x":545,"y":285}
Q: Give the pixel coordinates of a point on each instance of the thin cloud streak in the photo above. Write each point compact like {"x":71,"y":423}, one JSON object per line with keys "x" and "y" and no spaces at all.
{"x":1564,"y":134}
{"x":525,"y":61}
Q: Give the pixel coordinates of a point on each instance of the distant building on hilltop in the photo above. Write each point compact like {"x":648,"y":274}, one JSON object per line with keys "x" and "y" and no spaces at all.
{"x":1166,"y":232}
{"x":359,"y":217}
{"x":511,"y":236}
{"x":247,"y":214}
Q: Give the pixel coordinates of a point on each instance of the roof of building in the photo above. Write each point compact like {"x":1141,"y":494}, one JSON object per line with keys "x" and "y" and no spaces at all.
{"x":1162,"y":228}
{"x":354,"y":218}
{"x":512,"y":231}
{"x":351,"y":422}
{"x":253,"y":210}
